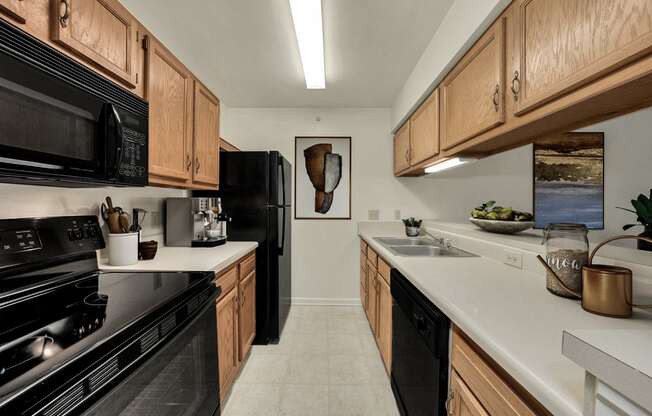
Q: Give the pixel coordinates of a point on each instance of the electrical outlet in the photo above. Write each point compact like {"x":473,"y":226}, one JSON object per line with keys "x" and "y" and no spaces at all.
{"x":513,"y":258}
{"x":397,"y":214}
{"x":154,"y":218}
{"x":374,"y":214}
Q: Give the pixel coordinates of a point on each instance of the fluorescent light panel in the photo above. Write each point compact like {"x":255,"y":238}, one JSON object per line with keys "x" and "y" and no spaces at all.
{"x":449,"y":164}
{"x":309,"y":28}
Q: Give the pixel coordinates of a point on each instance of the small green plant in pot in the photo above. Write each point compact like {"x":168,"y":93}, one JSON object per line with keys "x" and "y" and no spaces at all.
{"x":412,"y":227}
{"x":643,"y":210}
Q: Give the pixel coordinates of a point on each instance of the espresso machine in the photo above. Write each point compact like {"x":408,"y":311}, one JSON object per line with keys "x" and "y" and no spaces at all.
{"x":193,"y":222}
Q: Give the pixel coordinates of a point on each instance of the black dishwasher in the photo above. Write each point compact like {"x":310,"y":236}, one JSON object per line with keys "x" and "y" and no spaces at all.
{"x":419,"y":351}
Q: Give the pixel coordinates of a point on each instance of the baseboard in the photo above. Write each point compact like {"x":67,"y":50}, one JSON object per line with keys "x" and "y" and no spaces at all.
{"x":327,"y":301}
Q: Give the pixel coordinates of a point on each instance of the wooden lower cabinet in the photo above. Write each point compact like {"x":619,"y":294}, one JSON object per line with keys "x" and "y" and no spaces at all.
{"x":376,"y":300}
{"x":462,"y":402}
{"x":236,"y":322}
{"x":247,"y":318}
{"x":227,"y":335}
{"x":480,"y":387}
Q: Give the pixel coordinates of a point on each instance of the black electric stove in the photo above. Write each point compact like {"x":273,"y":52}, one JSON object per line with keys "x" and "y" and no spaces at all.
{"x":75,"y":340}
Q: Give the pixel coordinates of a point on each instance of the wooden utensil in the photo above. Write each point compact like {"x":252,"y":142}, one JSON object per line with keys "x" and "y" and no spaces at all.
{"x":109,"y":203}
{"x":113,"y":222}
{"x":123,"y":222}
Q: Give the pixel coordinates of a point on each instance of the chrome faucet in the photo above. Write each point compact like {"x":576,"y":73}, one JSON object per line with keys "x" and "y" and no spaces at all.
{"x":440,"y":241}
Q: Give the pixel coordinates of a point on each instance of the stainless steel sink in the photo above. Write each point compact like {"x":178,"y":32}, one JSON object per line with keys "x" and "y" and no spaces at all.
{"x":420,"y":247}
{"x":390,"y":241}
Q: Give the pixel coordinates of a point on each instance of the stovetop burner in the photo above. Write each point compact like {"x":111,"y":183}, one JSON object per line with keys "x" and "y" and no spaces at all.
{"x":96,"y":299}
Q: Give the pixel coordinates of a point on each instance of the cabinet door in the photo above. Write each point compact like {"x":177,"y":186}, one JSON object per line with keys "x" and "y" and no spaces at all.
{"x":170,"y":95}
{"x":98,"y":31}
{"x":463,"y":402}
{"x":205,"y":147}
{"x":385,"y":322}
{"x":402,"y":148}
{"x":15,"y":9}
{"x":372,"y":299}
{"x":247,"y":315}
{"x":565,"y":44}
{"x":473,"y":92}
{"x":424,"y":130}
{"x":227,"y":339}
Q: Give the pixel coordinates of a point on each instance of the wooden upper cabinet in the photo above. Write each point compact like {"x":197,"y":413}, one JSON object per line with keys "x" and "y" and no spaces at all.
{"x":101,"y":32}
{"x":424,"y":130}
{"x":14,"y":9}
{"x":566,"y":44}
{"x":473,"y":92}
{"x":170,"y":94}
{"x":247,"y":313}
{"x":227,"y":337}
{"x":402,"y":148}
{"x":205,"y":150}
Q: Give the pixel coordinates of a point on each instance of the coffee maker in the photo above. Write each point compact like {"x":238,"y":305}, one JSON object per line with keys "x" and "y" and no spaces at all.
{"x":193,"y":222}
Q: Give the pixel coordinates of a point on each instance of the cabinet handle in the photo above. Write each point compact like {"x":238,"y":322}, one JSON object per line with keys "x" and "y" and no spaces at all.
{"x":496,"y":97}
{"x":516,"y":85}
{"x":188,"y":162}
{"x":63,"y":19}
{"x":407,"y":155}
{"x":197,"y":165}
{"x":449,"y":400}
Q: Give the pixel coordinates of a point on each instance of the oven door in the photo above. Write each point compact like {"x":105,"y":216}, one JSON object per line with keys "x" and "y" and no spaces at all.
{"x":181,"y":379}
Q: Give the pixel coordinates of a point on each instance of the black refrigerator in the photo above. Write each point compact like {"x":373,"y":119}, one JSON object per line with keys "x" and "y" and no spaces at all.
{"x":256,"y":192}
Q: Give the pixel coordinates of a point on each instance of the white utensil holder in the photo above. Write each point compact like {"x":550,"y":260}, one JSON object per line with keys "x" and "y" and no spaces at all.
{"x":123,"y":249}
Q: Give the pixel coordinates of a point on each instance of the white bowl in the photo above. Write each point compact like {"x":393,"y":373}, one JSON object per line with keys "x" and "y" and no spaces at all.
{"x":502,"y":227}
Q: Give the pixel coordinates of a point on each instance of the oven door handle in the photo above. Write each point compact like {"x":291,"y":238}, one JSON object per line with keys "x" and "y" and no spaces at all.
{"x":113,"y":120}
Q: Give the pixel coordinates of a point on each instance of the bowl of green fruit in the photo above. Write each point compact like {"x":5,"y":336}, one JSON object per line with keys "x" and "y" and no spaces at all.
{"x":502,"y":220}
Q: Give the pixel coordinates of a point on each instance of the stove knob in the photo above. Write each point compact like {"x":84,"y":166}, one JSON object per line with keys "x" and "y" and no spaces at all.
{"x":71,"y":236}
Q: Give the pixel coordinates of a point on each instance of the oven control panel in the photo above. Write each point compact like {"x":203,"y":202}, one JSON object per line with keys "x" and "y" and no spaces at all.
{"x":17,"y":240}
{"x":22,"y":239}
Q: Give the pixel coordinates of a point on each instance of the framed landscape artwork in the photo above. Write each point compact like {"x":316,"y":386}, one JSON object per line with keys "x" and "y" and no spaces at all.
{"x":322,"y":178}
{"x":569,"y":180}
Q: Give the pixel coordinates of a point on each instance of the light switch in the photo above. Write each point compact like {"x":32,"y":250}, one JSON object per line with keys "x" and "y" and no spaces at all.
{"x":374,"y":214}
{"x":397,"y":214}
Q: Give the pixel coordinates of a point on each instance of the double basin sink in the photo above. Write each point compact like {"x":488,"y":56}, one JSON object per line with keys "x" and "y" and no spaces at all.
{"x":420,"y":247}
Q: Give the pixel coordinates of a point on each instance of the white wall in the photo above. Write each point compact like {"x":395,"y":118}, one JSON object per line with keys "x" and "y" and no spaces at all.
{"x":507,"y":177}
{"x":325,"y":252}
{"x":18,"y":201}
{"x":464,"y":23}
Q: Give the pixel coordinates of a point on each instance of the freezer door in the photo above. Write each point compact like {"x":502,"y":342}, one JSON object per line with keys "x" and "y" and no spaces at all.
{"x":280,"y":180}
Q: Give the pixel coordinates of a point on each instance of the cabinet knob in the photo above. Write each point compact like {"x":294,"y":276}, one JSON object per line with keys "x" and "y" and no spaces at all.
{"x":496,"y":97}
{"x":188,"y":162}
{"x":64,"y":13}
{"x":407,"y":155}
{"x":197,"y":165}
{"x":449,"y":401}
{"x":516,"y":85}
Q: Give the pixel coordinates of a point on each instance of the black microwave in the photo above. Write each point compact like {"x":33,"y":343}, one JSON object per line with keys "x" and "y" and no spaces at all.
{"x":62,"y":124}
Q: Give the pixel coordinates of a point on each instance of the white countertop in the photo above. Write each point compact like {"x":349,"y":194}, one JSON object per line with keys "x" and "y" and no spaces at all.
{"x":188,"y":258}
{"x":619,"y":357}
{"x":509,"y":313}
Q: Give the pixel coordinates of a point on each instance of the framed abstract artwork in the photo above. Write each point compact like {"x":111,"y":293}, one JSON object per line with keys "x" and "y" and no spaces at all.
{"x":569,"y":180}
{"x":322,"y":175}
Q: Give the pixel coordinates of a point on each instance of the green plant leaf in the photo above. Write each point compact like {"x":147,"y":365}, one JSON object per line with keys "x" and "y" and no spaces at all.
{"x":628,"y":210}
{"x":628,"y":226}
{"x":641,"y":209}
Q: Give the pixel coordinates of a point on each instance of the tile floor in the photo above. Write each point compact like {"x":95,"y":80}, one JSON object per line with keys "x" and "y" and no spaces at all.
{"x":327,"y":363}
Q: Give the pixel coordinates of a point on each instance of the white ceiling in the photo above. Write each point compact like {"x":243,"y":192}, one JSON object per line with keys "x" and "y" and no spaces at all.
{"x":246,"y":50}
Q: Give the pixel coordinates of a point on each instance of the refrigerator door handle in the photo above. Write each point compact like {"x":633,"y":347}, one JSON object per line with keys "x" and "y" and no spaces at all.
{"x":280,"y":163}
{"x":281,"y":247}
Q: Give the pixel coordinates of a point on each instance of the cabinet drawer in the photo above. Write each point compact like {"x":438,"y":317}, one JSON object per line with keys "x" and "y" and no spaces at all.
{"x":383,"y":269}
{"x":372,"y":257}
{"x":247,"y":266}
{"x":488,"y":385}
{"x":227,"y":281}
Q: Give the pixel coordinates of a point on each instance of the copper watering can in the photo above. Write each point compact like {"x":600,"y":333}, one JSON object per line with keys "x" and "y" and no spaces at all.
{"x":606,"y":290}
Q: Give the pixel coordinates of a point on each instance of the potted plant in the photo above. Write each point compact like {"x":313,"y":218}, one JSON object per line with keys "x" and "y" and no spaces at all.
{"x":643,"y":210}
{"x":412,"y":227}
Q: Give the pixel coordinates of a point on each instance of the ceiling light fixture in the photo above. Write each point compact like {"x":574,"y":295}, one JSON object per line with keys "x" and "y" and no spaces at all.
{"x":309,"y":29}
{"x":449,"y":164}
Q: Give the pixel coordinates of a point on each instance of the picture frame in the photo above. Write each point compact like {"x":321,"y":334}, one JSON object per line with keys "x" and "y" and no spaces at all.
{"x":322,"y":177}
{"x":568,"y":179}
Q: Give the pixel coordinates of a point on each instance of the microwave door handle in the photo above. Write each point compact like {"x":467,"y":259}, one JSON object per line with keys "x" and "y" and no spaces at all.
{"x":113,"y":169}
